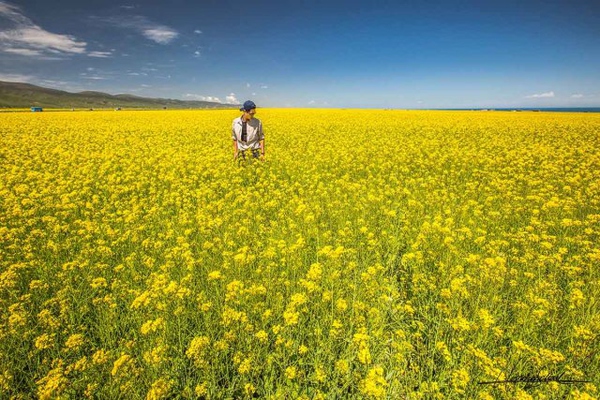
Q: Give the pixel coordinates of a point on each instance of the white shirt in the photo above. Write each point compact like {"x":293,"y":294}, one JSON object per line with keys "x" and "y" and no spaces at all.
{"x":254,"y":133}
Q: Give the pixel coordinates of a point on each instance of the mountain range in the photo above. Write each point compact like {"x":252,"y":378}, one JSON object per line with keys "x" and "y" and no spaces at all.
{"x":25,"y":95}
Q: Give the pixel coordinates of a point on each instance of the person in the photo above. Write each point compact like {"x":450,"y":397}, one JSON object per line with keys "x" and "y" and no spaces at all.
{"x":247,"y":133}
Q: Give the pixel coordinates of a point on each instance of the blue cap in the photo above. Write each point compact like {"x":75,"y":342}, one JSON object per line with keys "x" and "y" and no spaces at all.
{"x":248,"y":105}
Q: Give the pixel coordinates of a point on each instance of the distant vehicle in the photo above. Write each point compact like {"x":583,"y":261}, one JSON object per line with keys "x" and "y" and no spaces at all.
{"x":37,"y":109}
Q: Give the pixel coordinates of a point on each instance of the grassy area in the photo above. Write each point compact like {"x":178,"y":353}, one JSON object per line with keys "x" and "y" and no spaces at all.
{"x":375,"y":254}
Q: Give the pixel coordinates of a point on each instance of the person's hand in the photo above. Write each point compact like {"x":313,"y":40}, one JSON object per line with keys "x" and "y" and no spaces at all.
{"x":262,"y":157}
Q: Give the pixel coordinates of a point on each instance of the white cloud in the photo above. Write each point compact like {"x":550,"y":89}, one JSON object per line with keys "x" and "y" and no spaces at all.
{"x":100,"y":54}
{"x":247,"y":85}
{"x":198,"y":31}
{"x":311,"y":102}
{"x":202,"y":98}
{"x":20,"y":35}
{"x":197,"y":53}
{"x":541,"y":95}
{"x":55,"y":83}
{"x":264,"y":87}
{"x":161,"y":35}
{"x":158,"y":33}
{"x":23,"y":52}
{"x":15,"y":77}
{"x":13,"y":13}
{"x":231,"y":99}
{"x":39,"y":38}
{"x":577,"y":96}
{"x":95,"y":74}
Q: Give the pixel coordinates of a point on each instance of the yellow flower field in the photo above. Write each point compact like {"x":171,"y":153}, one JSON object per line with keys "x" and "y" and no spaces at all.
{"x":375,"y":254}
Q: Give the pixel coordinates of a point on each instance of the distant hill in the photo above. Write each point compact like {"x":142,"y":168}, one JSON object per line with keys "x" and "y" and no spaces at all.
{"x":24,"y":95}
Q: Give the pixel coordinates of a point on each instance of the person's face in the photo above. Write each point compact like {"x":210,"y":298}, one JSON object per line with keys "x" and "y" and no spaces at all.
{"x":250,"y":114}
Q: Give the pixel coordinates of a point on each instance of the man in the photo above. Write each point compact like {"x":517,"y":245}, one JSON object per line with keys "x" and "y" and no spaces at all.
{"x":247,"y":133}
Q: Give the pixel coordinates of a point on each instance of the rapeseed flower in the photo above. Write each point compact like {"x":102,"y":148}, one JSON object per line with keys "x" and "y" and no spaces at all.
{"x":374,"y":384}
{"x":160,"y":389}
{"x":291,"y":372}
{"x":131,"y":247}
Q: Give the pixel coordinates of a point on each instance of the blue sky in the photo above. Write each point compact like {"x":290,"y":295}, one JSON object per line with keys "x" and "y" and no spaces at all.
{"x":380,"y":54}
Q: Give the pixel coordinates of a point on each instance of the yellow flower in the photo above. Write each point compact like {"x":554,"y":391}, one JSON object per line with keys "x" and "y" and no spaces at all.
{"x":520,"y":394}
{"x":360,"y":338}
{"x":302,"y":350}
{"x":315,"y":272}
{"x":215,"y":275}
{"x":267,"y":314}
{"x":98,"y":283}
{"x":44,"y":341}
{"x":577,"y":298}
{"x":152,"y":326}
{"x":249,"y":389}
{"x":291,"y":372}
{"x":443,"y":349}
{"x":53,"y":384}
{"x":582,"y":333}
{"x":485,"y":318}
{"x":197,"y":347}
{"x":342,"y":367}
{"x":156,"y":355}
{"x":74,"y":341}
{"x":100,"y":357}
{"x":160,"y":389}
{"x":320,"y":375}
{"x":298,"y":299}
{"x":484,"y":395}
{"x":329,"y":258}
{"x":262,"y":336}
{"x":460,"y":379}
{"x":341,"y":305}
{"x":364,"y":355}
{"x":460,"y":324}
{"x":245,"y":366}
{"x":291,"y":317}
{"x":336,"y":327}
{"x":201,"y":390}
{"x":579,"y":395}
{"x":374,"y":384}
{"x":550,"y":356}
{"x":120,"y":364}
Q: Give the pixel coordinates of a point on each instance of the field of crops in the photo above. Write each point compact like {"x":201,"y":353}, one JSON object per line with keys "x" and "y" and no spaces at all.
{"x":374,"y":254}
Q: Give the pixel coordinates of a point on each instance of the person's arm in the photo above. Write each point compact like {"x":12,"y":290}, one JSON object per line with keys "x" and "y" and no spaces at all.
{"x":235,"y":146}
{"x":262,"y":149}
{"x":261,"y":143}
